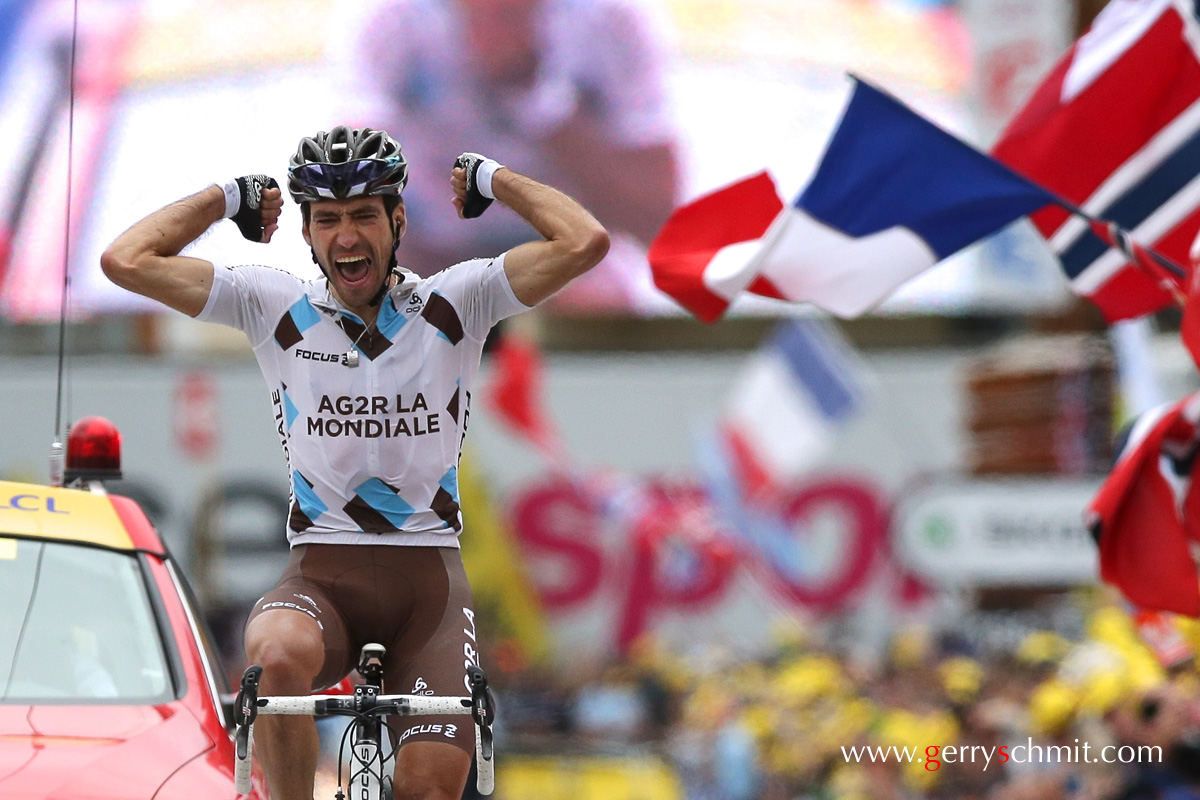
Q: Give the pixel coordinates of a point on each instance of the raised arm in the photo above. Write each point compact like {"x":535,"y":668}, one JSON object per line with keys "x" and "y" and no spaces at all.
{"x":145,"y":259}
{"x":574,"y":241}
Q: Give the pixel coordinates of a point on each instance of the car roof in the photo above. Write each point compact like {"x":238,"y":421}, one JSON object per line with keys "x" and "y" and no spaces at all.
{"x":75,"y":515}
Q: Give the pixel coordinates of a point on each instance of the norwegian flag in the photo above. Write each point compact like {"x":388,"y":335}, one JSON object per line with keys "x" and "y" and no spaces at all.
{"x":1146,"y":515}
{"x":1115,"y":129}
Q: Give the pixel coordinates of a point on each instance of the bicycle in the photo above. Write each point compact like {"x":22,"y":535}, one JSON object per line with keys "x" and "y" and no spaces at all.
{"x":368,"y":707}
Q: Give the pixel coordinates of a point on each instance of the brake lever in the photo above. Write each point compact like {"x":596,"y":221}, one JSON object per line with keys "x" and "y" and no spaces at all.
{"x":483,"y":707}
{"x":245,"y":708}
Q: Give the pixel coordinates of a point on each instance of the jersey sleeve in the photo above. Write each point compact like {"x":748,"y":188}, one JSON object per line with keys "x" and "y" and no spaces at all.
{"x":250,"y":298}
{"x":480,"y":290}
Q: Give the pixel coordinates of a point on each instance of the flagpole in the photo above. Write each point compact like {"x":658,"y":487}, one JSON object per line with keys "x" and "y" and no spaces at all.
{"x":1144,"y":258}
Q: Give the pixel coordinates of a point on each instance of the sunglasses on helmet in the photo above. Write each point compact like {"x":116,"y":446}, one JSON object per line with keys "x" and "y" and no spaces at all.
{"x":348,"y":179}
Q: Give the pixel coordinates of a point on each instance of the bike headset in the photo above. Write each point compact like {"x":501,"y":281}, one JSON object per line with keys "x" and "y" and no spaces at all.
{"x":350,"y":162}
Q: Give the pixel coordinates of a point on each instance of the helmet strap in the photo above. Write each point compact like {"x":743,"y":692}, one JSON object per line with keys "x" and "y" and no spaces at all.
{"x":393,"y":266}
{"x":318,"y":263}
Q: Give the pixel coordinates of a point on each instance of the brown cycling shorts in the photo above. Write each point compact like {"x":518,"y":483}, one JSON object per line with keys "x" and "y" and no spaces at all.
{"x":415,"y":601}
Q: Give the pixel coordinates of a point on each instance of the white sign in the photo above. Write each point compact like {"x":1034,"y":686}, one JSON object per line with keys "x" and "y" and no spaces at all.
{"x":1016,"y":532}
{"x":1014,"y":44}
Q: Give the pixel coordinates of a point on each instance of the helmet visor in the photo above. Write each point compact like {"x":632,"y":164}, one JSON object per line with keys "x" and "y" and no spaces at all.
{"x":349,"y":179}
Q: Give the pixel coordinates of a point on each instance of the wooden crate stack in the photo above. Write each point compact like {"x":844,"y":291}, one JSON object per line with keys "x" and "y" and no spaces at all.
{"x":1042,"y":406}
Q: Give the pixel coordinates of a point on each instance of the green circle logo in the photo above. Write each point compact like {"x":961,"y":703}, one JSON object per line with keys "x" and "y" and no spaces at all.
{"x":939,"y":532}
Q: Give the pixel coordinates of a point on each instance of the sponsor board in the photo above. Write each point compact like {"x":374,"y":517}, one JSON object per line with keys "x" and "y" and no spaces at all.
{"x":1022,"y":532}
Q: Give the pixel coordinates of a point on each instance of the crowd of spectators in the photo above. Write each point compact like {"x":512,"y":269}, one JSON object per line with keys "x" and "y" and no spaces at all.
{"x":1006,"y":724}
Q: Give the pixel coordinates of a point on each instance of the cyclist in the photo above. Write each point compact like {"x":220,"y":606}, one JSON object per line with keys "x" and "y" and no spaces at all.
{"x":370,"y":371}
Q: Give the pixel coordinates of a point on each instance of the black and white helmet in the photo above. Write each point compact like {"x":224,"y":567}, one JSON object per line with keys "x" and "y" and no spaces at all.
{"x":346,"y":162}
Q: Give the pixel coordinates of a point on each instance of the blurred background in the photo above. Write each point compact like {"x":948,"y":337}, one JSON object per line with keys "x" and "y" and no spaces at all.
{"x":924,"y":578}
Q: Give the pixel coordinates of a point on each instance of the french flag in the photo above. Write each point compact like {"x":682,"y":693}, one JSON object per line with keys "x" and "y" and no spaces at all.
{"x":786,"y":408}
{"x":1115,"y":129}
{"x":893,"y":195}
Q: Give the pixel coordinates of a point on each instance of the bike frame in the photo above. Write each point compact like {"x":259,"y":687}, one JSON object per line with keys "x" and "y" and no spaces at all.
{"x":367,"y":708}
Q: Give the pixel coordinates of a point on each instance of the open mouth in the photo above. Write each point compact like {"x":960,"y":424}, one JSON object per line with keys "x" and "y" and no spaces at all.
{"x":353,"y":270}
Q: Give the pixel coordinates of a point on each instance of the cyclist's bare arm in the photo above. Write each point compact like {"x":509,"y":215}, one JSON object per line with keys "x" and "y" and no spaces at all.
{"x":145,"y":259}
{"x":574,"y":241}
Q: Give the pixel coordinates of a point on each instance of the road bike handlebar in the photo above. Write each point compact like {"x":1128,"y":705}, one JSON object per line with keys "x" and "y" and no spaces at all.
{"x":402,"y":705}
{"x":249,"y":705}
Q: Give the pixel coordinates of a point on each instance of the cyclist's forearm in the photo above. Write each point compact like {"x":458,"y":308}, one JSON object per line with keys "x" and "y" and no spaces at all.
{"x":145,"y":259}
{"x":574,"y":241}
{"x":170,"y":229}
{"x":558,"y":218}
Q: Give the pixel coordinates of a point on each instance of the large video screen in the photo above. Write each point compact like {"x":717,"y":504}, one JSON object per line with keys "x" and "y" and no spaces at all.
{"x":631,"y":106}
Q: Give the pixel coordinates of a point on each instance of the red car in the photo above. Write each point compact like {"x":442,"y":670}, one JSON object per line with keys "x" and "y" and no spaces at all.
{"x":109,"y":686}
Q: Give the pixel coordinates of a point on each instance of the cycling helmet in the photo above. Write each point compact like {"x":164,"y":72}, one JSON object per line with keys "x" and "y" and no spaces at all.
{"x":346,"y":162}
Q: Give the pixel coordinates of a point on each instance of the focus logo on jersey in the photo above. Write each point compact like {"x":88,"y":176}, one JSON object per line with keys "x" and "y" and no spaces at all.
{"x":312,"y":355}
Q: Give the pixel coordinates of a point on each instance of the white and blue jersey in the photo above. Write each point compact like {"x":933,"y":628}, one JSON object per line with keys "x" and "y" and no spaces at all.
{"x":373,"y":450}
